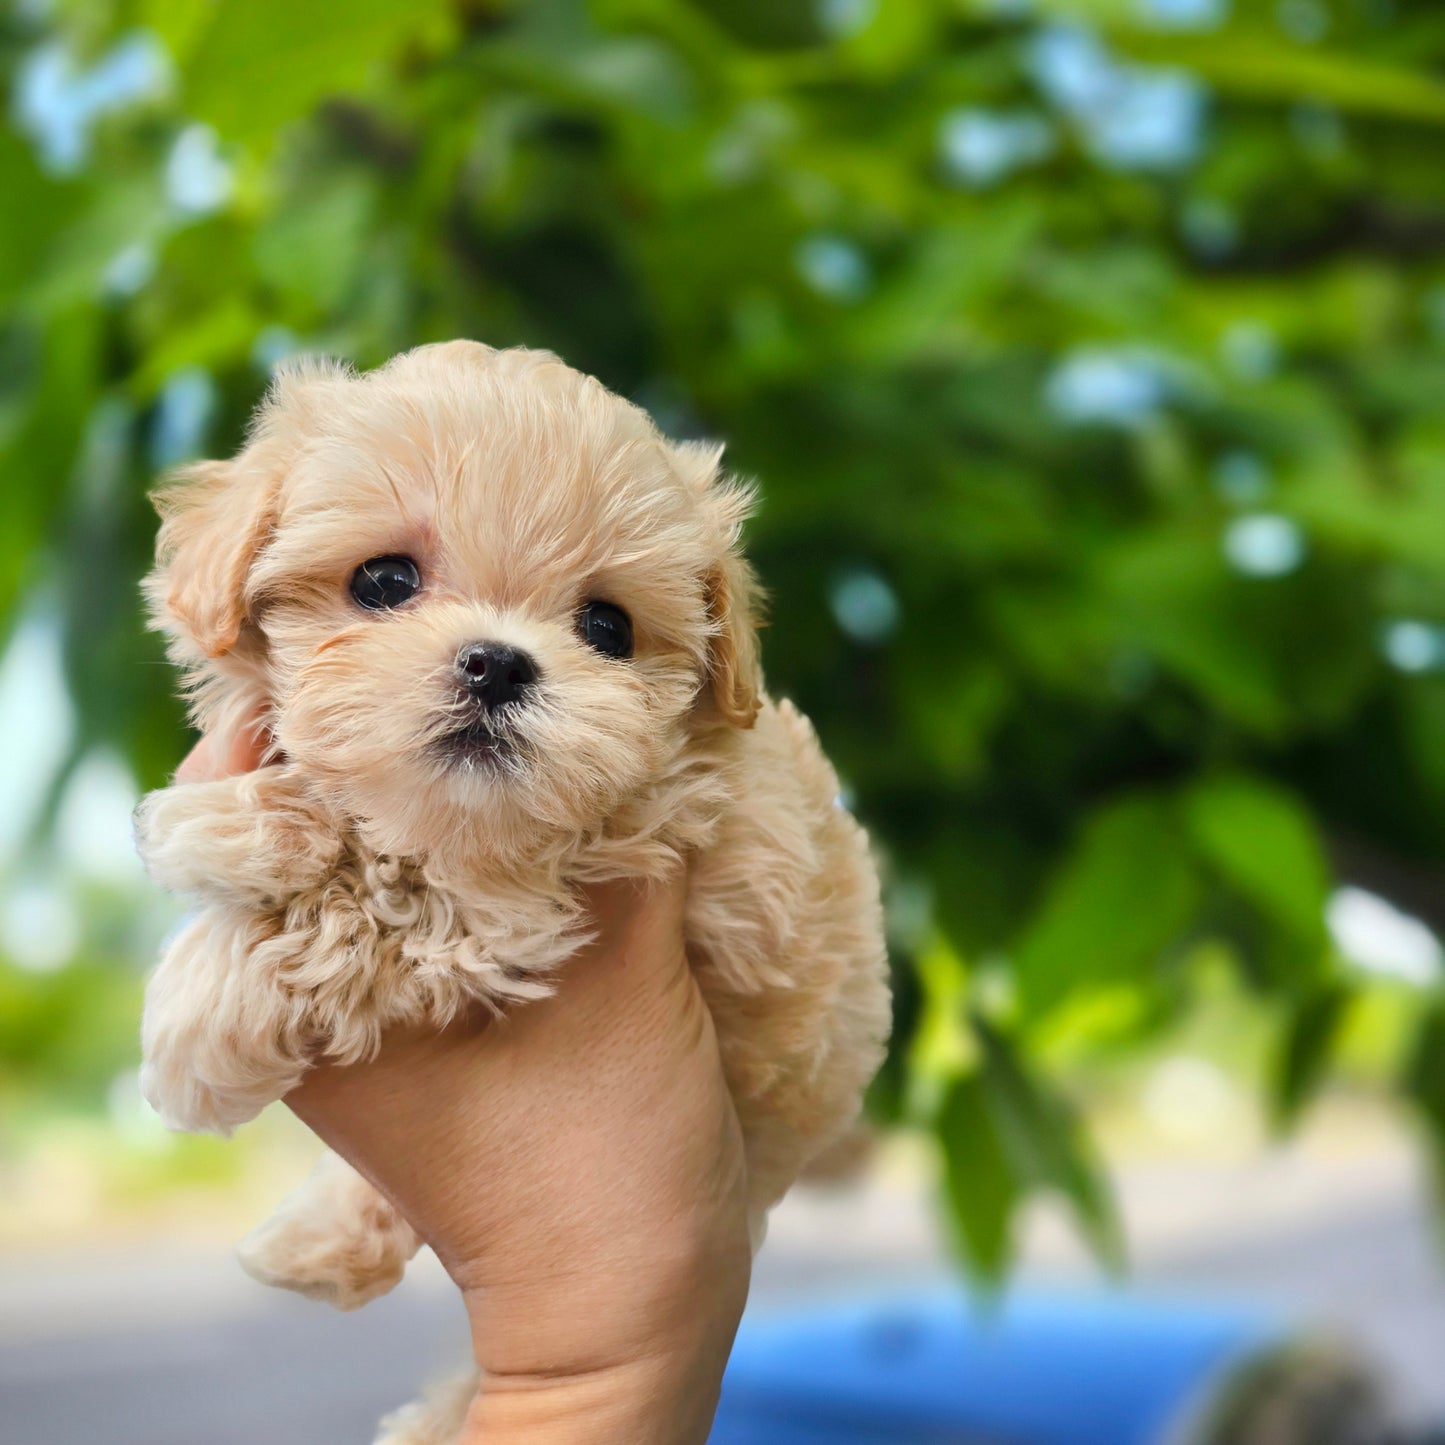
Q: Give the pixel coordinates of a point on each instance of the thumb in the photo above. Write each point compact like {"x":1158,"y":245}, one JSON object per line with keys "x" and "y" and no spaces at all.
{"x":639,"y":922}
{"x":218,"y":756}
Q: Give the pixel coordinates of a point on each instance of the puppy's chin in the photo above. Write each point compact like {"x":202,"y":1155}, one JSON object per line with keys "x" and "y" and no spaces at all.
{"x":464,"y":799}
{"x":471,"y":792}
{"x":484,"y":767}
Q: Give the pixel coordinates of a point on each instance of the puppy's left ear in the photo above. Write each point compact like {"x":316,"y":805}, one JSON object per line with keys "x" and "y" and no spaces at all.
{"x":731,"y":591}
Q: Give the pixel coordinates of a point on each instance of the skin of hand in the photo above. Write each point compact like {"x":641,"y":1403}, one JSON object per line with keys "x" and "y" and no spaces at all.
{"x":578,"y":1168}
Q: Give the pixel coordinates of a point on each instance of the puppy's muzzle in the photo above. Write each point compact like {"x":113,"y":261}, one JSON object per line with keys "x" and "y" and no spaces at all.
{"x":495,"y":674}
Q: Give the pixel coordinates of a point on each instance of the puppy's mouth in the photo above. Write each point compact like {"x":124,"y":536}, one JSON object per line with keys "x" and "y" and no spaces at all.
{"x":475,"y":742}
{"x":479,"y":745}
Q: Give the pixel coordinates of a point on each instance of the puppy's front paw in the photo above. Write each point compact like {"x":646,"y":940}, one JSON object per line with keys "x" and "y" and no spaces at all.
{"x":253,"y":839}
{"x":164,"y":822}
{"x":345,"y":1262}
{"x":196,"y":838}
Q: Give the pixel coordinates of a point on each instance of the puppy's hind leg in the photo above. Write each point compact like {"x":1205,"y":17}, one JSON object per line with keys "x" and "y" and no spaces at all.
{"x":334,"y":1239}
{"x":436,"y":1419}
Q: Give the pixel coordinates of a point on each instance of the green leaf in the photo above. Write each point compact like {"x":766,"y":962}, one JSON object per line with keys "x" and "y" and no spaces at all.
{"x":1425,"y":1082}
{"x":259,"y":64}
{"x":128,"y":212}
{"x":38,"y":455}
{"x":560,"y":56}
{"x":979,"y":1178}
{"x":217,"y":337}
{"x":38,"y":210}
{"x":1255,"y":65}
{"x":941,"y":1046}
{"x":1126,"y":891}
{"x":179,"y":23}
{"x":72,"y":1029}
{"x":954,"y":268}
{"x":1174,"y":598}
{"x":1048,"y":1146}
{"x":312,"y":249}
{"x":953,"y":714}
{"x":1425,"y":1076}
{"x":1310,"y":1034}
{"x":1339,"y":499}
{"x":765,"y":24}
{"x":1264,"y":843}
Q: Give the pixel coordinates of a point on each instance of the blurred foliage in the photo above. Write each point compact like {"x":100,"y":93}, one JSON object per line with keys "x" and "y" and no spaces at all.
{"x":1090,"y":356}
{"x":74,"y":1027}
{"x":67,"y":1033}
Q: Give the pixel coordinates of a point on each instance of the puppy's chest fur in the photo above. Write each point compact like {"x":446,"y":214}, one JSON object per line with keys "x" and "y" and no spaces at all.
{"x":754,"y":817}
{"x":311,"y":940}
{"x":383,"y":941}
{"x":364,"y":935}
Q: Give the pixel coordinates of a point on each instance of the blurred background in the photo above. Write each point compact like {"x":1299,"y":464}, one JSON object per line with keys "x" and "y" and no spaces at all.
{"x":1091,"y":359}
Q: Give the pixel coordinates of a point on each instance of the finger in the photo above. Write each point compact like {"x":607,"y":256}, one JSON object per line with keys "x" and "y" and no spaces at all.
{"x":199,"y":765}
{"x":638,"y":920}
{"x":247,"y":750}
{"x":627,"y":902}
{"x":243,"y":752}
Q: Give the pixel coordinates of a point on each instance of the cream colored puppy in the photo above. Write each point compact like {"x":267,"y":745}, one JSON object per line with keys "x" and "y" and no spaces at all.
{"x":501,"y":633}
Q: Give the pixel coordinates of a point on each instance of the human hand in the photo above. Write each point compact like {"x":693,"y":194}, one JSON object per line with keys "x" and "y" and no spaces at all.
{"x":577,"y":1166}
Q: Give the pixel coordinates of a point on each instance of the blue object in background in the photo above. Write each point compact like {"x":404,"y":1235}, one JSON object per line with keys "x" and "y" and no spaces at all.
{"x":943,"y":1369}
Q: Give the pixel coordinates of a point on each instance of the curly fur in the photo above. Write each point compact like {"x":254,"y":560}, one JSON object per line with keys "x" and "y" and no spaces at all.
{"x":369,"y":876}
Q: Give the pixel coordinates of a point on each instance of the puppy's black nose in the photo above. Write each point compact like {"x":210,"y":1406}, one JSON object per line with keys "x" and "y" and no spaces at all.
{"x":495,"y":673}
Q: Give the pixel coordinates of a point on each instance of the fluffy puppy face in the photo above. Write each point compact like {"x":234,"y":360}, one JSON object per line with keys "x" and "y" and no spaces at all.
{"x":473,"y":593}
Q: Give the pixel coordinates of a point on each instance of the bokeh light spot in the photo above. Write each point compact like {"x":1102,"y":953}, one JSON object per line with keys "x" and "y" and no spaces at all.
{"x":865,"y":606}
{"x":1414,"y":646}
{"x":1241,"y":479}
{"x":198,"y":180}
{"x":981,"y":147}
{"x":1379,"y":938}
{"x":1099,"y":384}
{"x":1264,"y":545}
{"x":834,"y":266}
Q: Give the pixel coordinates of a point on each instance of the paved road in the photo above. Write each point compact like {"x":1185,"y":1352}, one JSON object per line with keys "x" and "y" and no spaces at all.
{"x":160,"y":1347}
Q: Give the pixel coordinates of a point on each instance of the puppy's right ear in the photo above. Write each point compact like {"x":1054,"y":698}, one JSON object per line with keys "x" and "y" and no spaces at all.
{"x":730,"y":591}
{"x":215,"y":518}
{"x":734,"y":672}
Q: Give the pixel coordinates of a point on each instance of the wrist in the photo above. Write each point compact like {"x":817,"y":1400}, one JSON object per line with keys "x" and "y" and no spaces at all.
{"x":665,"y":1399}
{"x":633,"y":1356}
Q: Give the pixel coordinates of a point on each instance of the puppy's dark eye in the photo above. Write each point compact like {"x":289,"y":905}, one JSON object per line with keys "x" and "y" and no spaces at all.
{"x":606,"y":628}
{"x":385,"y":582}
